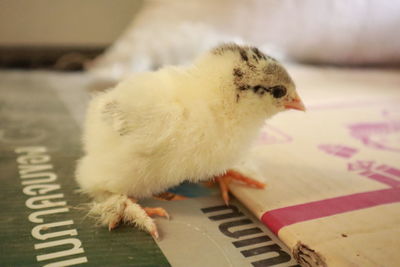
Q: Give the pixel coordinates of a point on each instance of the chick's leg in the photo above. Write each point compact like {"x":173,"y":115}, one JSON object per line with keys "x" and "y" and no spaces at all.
{"x":118,"y":209}
{"x":231,"y":175}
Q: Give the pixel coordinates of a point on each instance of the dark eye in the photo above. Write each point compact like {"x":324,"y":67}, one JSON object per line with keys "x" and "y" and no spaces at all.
{"x":278,"y":91}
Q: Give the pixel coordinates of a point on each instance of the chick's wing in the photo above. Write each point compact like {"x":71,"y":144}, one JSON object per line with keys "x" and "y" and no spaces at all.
{"x":146,"y":122}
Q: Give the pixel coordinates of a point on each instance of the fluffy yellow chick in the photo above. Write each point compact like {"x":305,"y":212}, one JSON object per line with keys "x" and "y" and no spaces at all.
{"x":155,"y":130}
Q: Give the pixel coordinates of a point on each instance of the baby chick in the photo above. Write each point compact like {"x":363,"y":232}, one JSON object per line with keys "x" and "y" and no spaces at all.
{"x":155,"y":130}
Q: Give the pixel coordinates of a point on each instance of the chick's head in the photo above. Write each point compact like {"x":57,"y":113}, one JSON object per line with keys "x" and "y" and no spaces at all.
{"x":255,"y":80}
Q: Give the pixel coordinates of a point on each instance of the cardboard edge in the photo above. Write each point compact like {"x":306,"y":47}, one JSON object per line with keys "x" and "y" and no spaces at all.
{"x":306,"y":256}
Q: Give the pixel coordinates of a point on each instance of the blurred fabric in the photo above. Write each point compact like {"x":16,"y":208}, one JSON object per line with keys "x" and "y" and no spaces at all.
{"x":340,"y":32}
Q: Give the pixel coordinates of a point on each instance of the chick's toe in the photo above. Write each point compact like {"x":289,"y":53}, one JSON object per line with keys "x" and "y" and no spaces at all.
{"x":158,"y":211}
{"x":231,"y":175}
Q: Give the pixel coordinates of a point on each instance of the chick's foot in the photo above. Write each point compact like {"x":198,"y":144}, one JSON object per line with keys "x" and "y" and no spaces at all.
{"x":231,"y":175}
{"x":118,"y":209}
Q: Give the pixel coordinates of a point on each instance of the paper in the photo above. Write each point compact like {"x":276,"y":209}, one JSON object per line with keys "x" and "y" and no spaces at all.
{"x":333,"y":173}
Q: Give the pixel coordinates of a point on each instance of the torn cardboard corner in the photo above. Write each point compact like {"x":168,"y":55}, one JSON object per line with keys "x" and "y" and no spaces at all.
{"x":333,"y":173}
{"x":307,"y":257}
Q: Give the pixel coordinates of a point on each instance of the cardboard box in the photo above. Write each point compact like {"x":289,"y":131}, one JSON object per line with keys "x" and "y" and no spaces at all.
{"x":333,"y":173}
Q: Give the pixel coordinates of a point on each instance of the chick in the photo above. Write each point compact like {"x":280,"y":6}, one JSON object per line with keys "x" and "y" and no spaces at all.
{"x":155,"y":130}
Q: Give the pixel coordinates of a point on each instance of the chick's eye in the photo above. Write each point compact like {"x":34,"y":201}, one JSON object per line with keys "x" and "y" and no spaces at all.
{"x":278,"y":91}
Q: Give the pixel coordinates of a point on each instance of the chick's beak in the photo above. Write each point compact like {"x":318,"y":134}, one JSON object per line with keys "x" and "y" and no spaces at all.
{"x":295,"y":103}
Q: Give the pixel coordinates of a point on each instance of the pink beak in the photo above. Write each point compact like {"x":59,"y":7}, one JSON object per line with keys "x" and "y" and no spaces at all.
{"x":295,"y":103}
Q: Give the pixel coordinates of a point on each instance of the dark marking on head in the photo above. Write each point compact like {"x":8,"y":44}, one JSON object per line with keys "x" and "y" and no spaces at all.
{"x":252,"y":67}
{"x":237,"y":98}
{"x":271,"y":58}
{"x":238,"y":73}
{"x":238,"y":77}
{"x":244,"y":87}
{"x":277,"y":91}
{"x":260,"y":90}
{"x":258,"y":53}
{"x":243,"y":55}
{"x":243,"y":51}
{"x":249,"y":54}
{"x":255,"y":58}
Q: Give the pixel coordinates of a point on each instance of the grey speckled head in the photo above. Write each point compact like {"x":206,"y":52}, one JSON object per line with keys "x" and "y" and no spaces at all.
{"x":255,"y":71}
